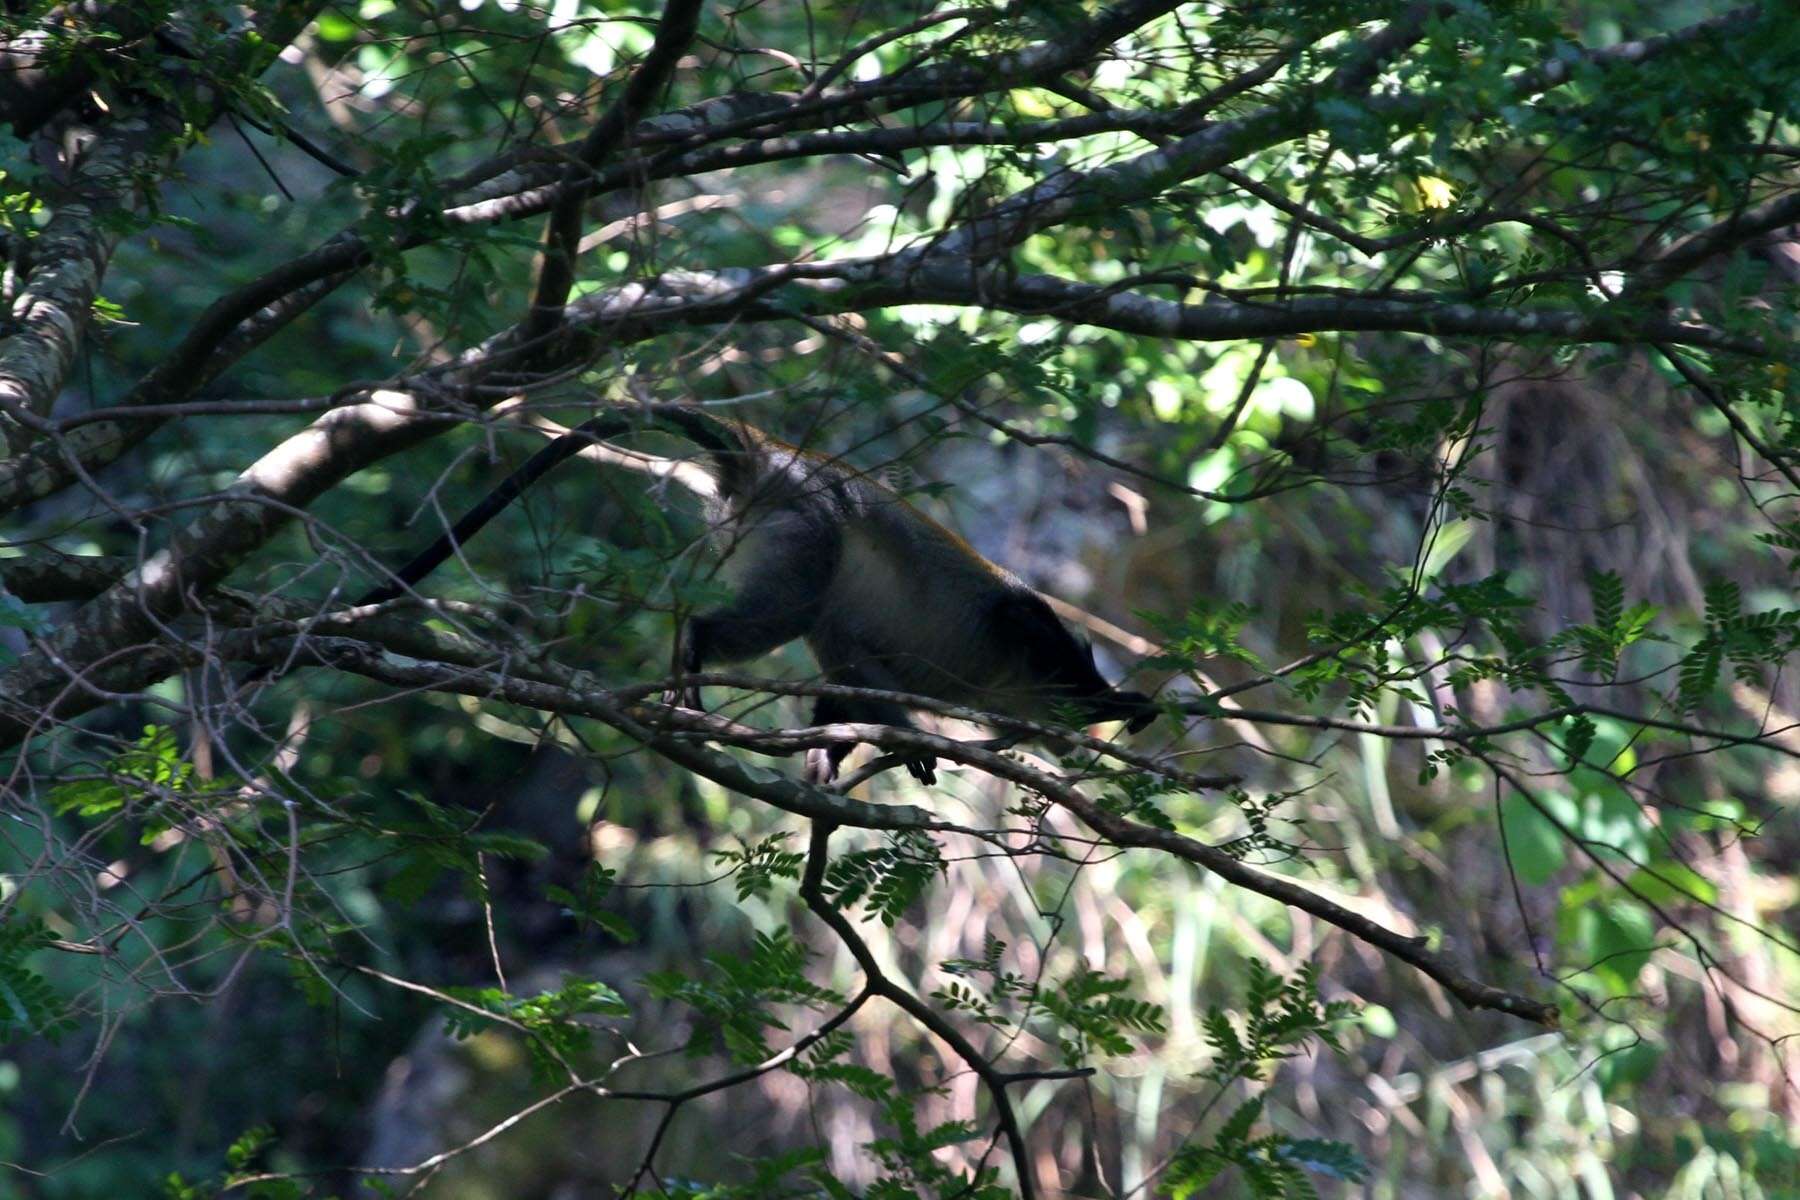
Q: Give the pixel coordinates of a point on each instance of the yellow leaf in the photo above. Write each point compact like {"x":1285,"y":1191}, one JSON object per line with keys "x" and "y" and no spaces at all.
{"x":1435,"y":192}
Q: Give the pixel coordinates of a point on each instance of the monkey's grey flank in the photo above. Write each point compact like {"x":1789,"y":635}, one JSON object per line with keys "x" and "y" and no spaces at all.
{"x":885,"y":597}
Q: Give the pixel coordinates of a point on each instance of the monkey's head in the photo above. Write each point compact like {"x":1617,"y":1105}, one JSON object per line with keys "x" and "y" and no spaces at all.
{"x":1060,"y":665}
{"x":1103,"y":702}
{"x":1134,"y":708}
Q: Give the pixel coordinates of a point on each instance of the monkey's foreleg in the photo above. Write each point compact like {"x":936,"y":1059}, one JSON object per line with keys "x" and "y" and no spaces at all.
{"x":684,"y":662}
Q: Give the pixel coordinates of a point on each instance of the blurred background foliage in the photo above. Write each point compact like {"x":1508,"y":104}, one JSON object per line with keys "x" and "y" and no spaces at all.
{"x":467,"y":832}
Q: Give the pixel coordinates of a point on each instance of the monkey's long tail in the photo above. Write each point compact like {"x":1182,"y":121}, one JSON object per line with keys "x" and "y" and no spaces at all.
{"x":723,"y":441}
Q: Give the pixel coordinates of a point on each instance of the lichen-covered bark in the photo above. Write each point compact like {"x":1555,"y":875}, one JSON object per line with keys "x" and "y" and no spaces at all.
{"x":70,"y":256}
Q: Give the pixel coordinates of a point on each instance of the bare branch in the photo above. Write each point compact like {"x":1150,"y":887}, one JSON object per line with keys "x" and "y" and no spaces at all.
{"x":813,"y":892}
{"x":680,"y":20}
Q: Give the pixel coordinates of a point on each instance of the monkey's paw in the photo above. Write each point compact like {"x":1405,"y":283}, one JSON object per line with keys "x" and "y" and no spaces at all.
{"x":923,"y":768}
{"x":820,"y":769}
{"x":684,"y":697}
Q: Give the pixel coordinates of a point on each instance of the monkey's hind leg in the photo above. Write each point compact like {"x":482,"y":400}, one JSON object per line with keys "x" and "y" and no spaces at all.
{"x":848,"y":664}
{"x":822,"y":762}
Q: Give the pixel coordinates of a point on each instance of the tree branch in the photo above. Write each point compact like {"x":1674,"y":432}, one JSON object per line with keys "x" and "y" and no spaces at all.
{"x":680,"y":20}
{"x":661,"y":729}
{"x":44,"y":575}
{"x":813,"y":892}
{"x":635,"y":311}
{"x":1705,"y":244}
{"x":52,"y":310}
{"x":1782,"y":462}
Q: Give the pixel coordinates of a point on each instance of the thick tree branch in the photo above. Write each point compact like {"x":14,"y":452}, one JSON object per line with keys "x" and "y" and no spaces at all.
{"x":1561,"y":69}
{"x":640,"y":310}
{"x":230,"y":328}
{"x":51,"y":310}
{"x":70,"y":256}
{"x":1228,"y":320}
{"x":45,"y":576}
{"x":1071,"y":194}
{"x":1703,"y":245}
{"x":33,"y":88}
{"x":262,"y":499}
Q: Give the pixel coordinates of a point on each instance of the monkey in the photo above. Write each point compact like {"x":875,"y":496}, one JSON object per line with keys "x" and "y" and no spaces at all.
{"x":885,"y":597}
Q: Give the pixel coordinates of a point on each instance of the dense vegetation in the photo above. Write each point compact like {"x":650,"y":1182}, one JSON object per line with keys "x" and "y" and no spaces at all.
{"x":1402,"y":393}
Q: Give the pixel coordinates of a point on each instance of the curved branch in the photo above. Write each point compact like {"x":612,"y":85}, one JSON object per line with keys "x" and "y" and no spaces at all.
{"x":1784,"y":462}
{"x":666,"y":731}
{"x":261,"y":500}
{"x":636,"y":311}
{"x":1704,"y":244}
{"x":813,"y":892}
{"x":1413,"y":950}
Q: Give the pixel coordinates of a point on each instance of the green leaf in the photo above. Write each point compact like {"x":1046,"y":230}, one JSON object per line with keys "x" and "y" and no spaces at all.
{"x":248,"y":1145}
{"x":1607,"y":592}
{"x":1699,"y":673}
{"x":29,"y":1006}
{"x":1578,"y":736}
{"x":151,"y":769}
{"x":1669,"y":882}
{"x":1534,"y":846}
{"x":890,"y":877}
{"x":1336,"y":1160}
{"x":508,"y":845}
{"x":1446,"y":544}
{"x":1236,"y":1130}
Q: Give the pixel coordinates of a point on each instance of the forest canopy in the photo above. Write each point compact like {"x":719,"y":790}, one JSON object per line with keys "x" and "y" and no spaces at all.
{"x":1400,"y":396}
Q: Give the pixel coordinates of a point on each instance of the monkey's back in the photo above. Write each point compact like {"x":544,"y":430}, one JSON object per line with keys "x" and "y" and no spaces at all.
{"x":909,"y":601}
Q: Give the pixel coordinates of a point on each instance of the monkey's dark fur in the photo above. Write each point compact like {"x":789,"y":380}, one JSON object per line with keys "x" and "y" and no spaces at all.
{"x":885,"y":597}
